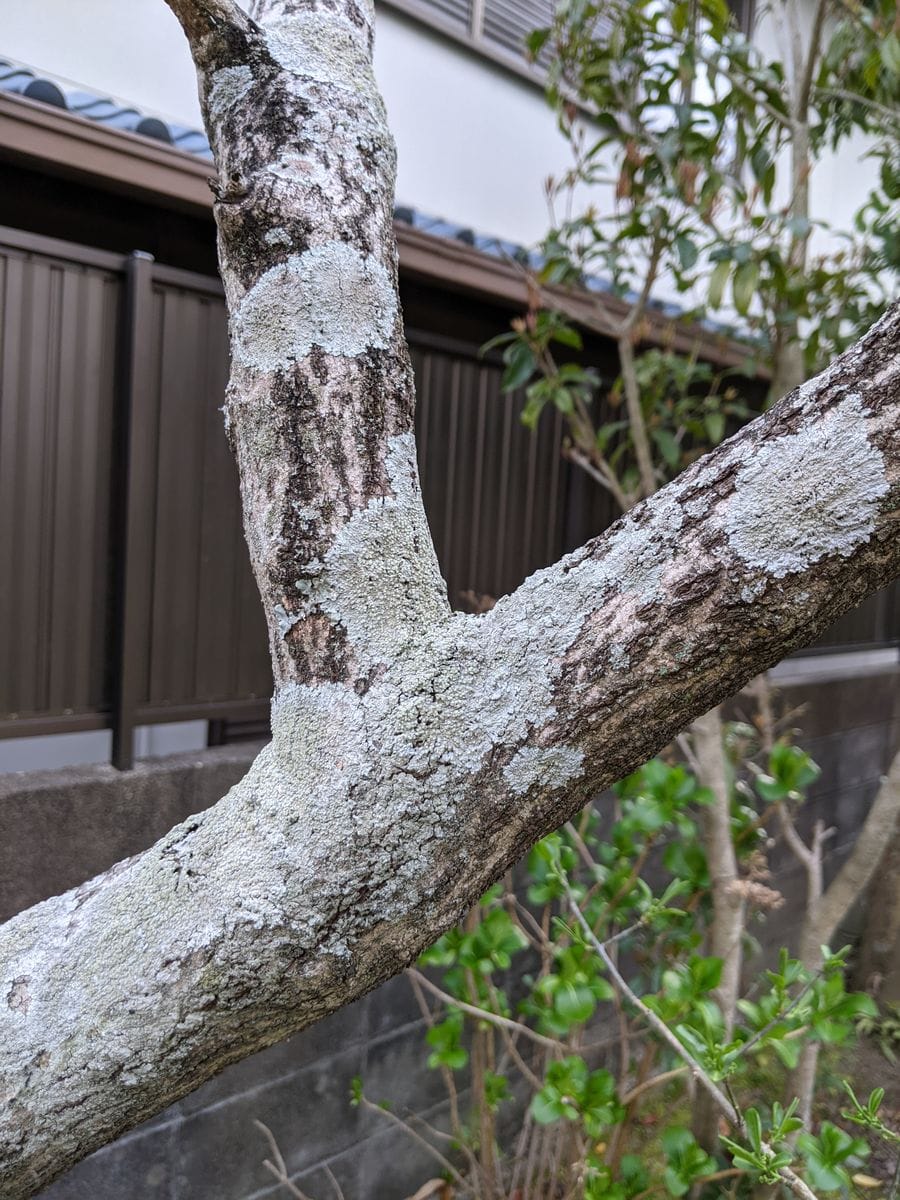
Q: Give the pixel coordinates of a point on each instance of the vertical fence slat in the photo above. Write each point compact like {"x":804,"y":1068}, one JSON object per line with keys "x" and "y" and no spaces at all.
{"x":138,"y":468}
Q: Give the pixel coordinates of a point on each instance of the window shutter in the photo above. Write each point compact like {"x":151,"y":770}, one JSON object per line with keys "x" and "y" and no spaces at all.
{"x":457,"y":13}
{"x":507,"y":23}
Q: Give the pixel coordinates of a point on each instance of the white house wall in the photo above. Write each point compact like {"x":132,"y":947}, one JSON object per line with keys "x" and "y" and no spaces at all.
{"x":474,"y":141}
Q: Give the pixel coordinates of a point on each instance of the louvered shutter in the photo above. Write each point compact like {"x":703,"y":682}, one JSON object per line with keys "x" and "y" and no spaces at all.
{"x":507,"y":23}
{"x":455,"y":13}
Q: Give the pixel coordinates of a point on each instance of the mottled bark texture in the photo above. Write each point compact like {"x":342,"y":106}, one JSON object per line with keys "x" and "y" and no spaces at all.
{"x":416,"y":753}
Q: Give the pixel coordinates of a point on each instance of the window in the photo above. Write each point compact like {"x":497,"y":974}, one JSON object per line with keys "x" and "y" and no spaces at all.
{"x":499,"y":28}
{"x":496,"y":27}
{"x":743,"y":14}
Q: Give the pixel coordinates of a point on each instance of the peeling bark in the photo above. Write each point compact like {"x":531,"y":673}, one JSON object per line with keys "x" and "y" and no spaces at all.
{"x":416,"y":753}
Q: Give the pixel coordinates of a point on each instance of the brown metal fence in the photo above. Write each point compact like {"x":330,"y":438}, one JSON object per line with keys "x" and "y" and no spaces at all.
{"x":126,"y":595}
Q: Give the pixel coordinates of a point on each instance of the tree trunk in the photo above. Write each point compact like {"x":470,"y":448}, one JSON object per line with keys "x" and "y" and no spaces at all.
{"x":415,"y":753}
{"x":825,"y":911}
{"x":727,"y":928}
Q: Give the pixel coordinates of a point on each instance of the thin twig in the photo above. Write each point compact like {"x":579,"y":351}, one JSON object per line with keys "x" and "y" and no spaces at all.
{"x":652,"y":1019}
{"x":888,"y":114}
{"x":278,"y":1167}
{"x":652,"y":1082}
{"x":480,"y":1013}
{"x":339,"y":1195}
{"x":446,"y":1164}
{"x":607,"y":481}
{"x":450,"y":1086}
{"x":812,"y":55}
{"x":793,"y":1181}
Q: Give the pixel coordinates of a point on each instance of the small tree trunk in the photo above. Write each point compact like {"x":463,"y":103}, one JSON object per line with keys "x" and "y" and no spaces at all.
{"x":727,"y":929}
{"x":825,"y":911}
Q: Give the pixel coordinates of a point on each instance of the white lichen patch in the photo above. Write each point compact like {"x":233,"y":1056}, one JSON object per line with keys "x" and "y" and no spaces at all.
{"x":641,"y":551}
{"x":324,"y":48}
{"x":285,"y":620}
{"x":807,"y":495}
{"x":380,"y":579}
{"x":549,"y":767}
{"x":619,"y":658}
{"x":227,"y":89}
{"x":278,"y":236}
{"x":336,"y":147}
{"x":330,"y":296}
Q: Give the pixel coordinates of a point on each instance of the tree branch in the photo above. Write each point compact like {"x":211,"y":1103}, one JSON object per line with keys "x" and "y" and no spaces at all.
{"x":416,"y":754}
{"x":725,"y":1106}
{"x":199,"y":18}
{"x":851,"y":880}
{"x":812,"y":55}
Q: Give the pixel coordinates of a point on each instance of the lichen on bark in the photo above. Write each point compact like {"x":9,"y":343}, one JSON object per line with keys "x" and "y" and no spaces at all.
{"x":808,"y":494}
{"x":416,"y":753}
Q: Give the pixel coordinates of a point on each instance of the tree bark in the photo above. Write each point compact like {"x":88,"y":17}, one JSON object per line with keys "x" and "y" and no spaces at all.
{"x":416,"y":753}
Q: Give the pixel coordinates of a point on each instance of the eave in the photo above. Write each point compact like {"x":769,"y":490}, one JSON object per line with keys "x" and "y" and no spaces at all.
{"x":59,"y":142}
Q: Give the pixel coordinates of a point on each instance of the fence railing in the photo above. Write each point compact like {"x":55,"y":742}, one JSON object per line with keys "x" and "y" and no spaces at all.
{"x":126,"y":596}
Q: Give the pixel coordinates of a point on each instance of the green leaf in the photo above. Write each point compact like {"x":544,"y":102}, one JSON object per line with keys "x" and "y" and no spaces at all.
{"x":687,"y":252}
{"x":890,"y":53}
{"x":717,"y":282}
{"x":788,"y":1050}
{"x":715,"y":426}
{"x":668,"y":447}
{"x":545,"y":1107}
{"x":568,"y":336}
{"x":536,"y":41}
{"x":575,"y":1004}
{"x":563,"y":400}
{"x":520,"y":365}
{"x":743,"y":286}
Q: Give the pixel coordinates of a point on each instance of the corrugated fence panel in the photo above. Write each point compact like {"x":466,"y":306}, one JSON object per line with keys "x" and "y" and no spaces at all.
{"x":875,"y":622}
{"x":207,"y":638}
{"x":492,"y":488}
{"x":500,"y":499}
{"x":58,"y":335}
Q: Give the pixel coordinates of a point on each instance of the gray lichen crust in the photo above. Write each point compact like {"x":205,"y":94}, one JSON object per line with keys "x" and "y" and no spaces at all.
{"x":229,"y":87}
{"x":324,"y":48}
{"x":331,"y":296}
{"x":808,"y":494}
{"x":380,"y":578}
{"x":536,"y":766}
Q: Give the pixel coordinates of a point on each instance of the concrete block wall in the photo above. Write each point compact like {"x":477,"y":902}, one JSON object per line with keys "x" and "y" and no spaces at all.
{"x":59,"y":828}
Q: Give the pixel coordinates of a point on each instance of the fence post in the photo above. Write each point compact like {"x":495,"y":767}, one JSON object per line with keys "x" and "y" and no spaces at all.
{"x":137,"y":410}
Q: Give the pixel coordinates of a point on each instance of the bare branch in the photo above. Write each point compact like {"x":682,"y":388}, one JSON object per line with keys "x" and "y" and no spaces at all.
{"x":201,"y":17}
{"x":856,"y":872}
{"x":445,"y":1163}
{"x":278,"y":1168}
{"x":812,"y":56}
{"x":481,"y":1014}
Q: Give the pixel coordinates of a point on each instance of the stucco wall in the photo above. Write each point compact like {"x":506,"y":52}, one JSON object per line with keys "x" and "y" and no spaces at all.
{"x":474,"y":141}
